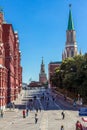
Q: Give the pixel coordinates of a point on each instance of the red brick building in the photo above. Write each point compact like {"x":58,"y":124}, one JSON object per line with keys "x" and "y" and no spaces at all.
{"x":10,"y":68}
{"x":51,"y":69}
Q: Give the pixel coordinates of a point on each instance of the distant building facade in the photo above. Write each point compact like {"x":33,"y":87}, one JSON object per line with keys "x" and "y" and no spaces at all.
{"x":35,"y":84}
{"x":71,"y":44}
{"x":42,"y":75}
{"x":51,"y":69}
{"x":10,"y":67}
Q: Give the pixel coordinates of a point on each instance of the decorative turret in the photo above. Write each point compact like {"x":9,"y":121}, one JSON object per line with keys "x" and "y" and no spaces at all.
{"x":1,"y":15}
{"x":71,"y":45}
{"x":42,"y":75}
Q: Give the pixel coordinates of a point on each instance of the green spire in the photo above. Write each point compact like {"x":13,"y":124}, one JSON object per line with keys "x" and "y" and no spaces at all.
{"x":70,"y":21}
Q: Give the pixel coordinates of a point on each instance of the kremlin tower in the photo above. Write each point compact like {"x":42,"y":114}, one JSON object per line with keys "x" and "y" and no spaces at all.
{"x":71,"y":44}
{"x":42,"y":75}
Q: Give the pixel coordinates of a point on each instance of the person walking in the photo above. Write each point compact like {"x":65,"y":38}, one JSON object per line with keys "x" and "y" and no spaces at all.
{"x":78,"y":126}
{"x":63,"y":115}
{"x":2,"y":113}
{"x":74,"y":103}
{"x":36,"y":119}
{"x":26,"y":111}
{"x":23,"y":113}
{"x":13,"y":105}
{"x":47,"y":105}
{"x":62,"y":127}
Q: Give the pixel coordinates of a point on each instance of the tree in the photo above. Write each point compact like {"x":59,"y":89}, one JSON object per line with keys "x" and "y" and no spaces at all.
{"x":72,"y":75}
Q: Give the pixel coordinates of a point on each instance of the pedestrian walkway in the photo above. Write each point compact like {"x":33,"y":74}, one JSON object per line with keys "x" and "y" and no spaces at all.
{"x":13,"y":118}
{"x":44,"y":122}
{"x":10,"y":114}
{"x":49,"y":119}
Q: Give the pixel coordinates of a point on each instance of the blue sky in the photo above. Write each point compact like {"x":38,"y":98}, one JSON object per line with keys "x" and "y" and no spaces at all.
{"x":41,"y":25}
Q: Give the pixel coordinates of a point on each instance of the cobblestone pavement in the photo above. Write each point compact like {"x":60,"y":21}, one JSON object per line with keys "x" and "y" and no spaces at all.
{"x":47,"y":119}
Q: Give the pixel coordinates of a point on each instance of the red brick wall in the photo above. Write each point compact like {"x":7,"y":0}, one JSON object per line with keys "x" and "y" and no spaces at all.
{"x":51,"y":69}
{"x":10,"y":70}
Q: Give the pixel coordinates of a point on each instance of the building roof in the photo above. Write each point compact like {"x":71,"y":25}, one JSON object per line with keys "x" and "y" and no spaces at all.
{"x":56,"y":62}
{"x":70,"y":20}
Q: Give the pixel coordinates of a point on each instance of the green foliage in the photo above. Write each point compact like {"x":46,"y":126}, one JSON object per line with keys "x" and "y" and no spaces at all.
{"x":72,"y":75}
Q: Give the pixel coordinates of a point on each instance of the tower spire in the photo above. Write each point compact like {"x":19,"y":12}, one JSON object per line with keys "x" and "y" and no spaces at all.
{"x":71,"y":44}
{"x":70,"y":20}
{"x":42,"y":59}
